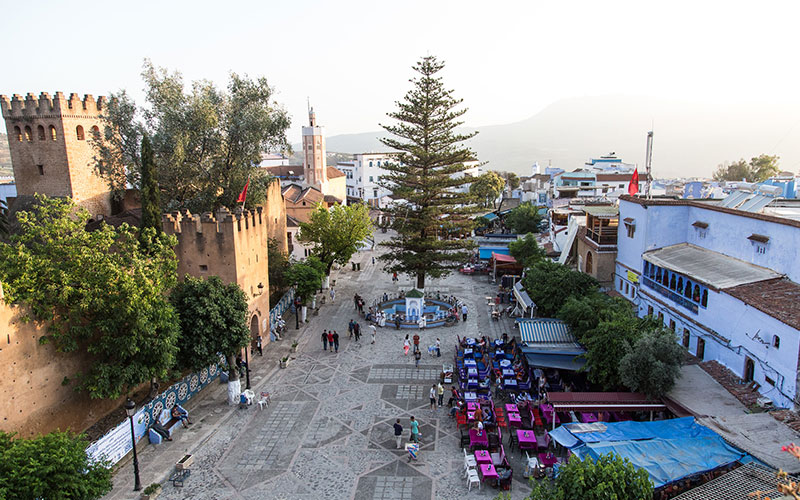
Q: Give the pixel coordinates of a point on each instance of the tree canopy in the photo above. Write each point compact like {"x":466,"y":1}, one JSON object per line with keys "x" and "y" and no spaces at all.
{"x":550,"y":284}
{"x":50,"y":467}
{"x":759,"y":169}
{"x":213,"y":320}
{"x":512,"y":180}
{"x":151,"y":204}
{"x":308,"y":276}
{"x":430,"y":213}
{"x":277,"y":265}
{"x":526,"y":250}
{"x":99,"y":290}
{"x":607,"y":478}
{"x":523,"y":219}
{"x":336,"y":232}
{"x":653,"y":363}
{"x":487,"y":188}
{"x":206,"y":142}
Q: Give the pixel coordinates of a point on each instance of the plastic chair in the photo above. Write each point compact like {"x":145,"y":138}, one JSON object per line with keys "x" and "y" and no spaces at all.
{"x":472,"y":478}
{"x":264,"y":401}
{"x":470,"y":464}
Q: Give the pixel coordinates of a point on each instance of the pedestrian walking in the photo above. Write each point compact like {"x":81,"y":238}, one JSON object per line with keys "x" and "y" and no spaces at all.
{"x":357,"y":331}
{"x":432,"y":395}
{"x":398,"y":433}
{"x":259,"y":346}
{"x":416,"y":342}
{"x":350,"y":328}
{"x":324,"y":340}
{"x":414,"y":430}
{"x":373,"y":261}
{"x":336,"y":340}
{"x":438,"y":350}
{"x":355,"y":301}
{"x":464,"y":312}
{"x":394,"y":277}
{"x":373,"y":331}
{"x":417,"y":356}
{"x":440,"y":393}
{"x":330,"y":339}
{"x":406,"y":346}
{"x":333,"y":295}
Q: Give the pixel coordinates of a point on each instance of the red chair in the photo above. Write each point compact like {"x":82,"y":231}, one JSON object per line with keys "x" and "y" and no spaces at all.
{"x":461,"y":419}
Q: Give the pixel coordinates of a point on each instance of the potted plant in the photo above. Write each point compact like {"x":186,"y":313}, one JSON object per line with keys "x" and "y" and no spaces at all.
{"x":151,"y":491}
{"x":283,"y":362}
{"x":294,"y":346}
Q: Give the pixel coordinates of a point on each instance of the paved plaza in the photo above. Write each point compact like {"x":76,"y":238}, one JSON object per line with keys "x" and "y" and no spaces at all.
{"x":328,"y":432}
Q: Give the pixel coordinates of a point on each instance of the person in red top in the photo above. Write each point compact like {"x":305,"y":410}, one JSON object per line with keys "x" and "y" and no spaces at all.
{"x":330,"y":339}
{"x":416,"y":342}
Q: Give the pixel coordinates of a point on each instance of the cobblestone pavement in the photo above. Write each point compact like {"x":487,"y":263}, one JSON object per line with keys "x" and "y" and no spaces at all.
{"x":328,"y":432}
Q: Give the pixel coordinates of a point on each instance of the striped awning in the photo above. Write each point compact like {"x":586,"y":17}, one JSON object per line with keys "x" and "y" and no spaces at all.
{"x":545,"y":331}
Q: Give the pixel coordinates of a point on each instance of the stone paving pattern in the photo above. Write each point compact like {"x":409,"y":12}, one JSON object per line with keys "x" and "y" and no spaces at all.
{"x":328,"y":432}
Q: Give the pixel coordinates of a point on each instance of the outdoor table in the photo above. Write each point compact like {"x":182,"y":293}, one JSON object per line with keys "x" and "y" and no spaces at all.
{"x":510,"y":382}
{"x":549,"y":414}
{"x":505,"y":363}
{"x":587,"y":417}
{"x":512,"y":408}
{"x":483,"y":457}
{"x":470,"y":342}
{"x":476,"y":440}
{"x":508,"y":372}
{"x":547,"y":459}
{"x":499,"y":354}
{"x":468,"y":352}
{"x":472,"y":372}
{"x":488,"y":472}
{"x":470,"y":362}
{"x":470,"y":396}
{"x":527,"y":439}
{"x":515,"y":419}
{"x":498,"y":342}
{"x":472,"y":383}
{"x":472,"y":406}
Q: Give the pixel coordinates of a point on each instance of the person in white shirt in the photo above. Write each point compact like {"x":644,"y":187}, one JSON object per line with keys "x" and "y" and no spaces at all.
{"x":433,"y":397}
{"x":373,"y":331}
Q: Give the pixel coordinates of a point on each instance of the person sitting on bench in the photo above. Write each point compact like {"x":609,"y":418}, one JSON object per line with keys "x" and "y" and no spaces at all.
{"x":180,"y":413}
{"x":161,"y":430}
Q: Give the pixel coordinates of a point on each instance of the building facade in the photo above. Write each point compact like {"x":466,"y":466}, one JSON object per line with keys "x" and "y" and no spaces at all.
{"x":724,"y":279}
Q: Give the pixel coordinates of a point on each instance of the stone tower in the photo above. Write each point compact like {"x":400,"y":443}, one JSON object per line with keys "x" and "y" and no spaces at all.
{"x":315,"y":167}
{"x":50,"y":148}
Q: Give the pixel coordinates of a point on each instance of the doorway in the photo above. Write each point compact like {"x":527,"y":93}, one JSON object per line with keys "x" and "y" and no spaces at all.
{"x":749,"y":369}
{"x":701,"y":348}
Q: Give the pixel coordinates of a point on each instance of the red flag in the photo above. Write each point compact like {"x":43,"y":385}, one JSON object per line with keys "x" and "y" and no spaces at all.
{"x":243,"y":194}
{"x":633,"y":186}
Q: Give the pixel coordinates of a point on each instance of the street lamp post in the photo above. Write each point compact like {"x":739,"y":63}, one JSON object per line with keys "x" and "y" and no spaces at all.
{"x":247,"y":363}
{"x":130,"y":409}
{"x":296,"y":308}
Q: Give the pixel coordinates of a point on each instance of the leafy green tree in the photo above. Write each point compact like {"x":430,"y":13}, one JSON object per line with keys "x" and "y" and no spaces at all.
{"x":523,"y":219}
{"x":151,"y":204}
{"x":206,"y":142}
{"x":550,"y":284}
{"x":99,"y":291}
{"x":607,"y":478}
{"x":50,"y":467}
{"x":526,"y":250}
{"x":213,"y":321}
{"x":512,"y":180}
{"x":606,"y":345}
{"x":307,"y":275}
{"x":429,"y":209}
{"x":487,"y":188}
{"x":277,"y":265}
{"x":759,"y":169}
{"x":336,"y":232}
{"x":653,"y":364}
{"x":584,"y":313}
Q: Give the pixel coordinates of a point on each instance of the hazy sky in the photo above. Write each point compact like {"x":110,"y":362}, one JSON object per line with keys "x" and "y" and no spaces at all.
{"x":352,"y":58}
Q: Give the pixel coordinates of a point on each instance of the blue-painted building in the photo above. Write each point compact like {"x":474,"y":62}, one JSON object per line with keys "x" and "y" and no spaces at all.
{"x":724,"y":279}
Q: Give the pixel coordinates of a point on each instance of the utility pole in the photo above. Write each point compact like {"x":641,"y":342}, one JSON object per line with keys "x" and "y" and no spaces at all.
{"x":648,"y":162}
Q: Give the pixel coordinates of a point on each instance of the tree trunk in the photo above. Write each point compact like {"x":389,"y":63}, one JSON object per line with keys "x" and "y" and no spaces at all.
{"x":303,"y":314}
{"x":234,"y":386}
{"x":421,"y":281}
{"x":326,"y":283}
{"x":154,"y":386}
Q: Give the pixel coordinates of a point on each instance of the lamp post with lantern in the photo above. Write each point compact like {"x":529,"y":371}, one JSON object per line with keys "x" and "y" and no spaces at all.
{"x":130,"y":409}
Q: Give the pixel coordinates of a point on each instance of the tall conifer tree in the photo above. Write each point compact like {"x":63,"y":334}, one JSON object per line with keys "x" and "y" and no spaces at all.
{"x":430,"y":215}
{"x":151,"y":205}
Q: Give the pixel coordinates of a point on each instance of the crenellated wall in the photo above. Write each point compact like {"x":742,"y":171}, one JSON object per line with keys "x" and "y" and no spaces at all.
{"x":275,"y":213}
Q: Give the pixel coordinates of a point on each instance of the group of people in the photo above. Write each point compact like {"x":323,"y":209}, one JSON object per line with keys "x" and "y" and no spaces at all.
{"x":434,"y":349}
{"x":330,"y":338}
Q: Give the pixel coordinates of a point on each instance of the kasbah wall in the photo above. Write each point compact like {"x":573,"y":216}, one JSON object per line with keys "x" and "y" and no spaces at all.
{"x":51,"y":151}
{"x":275,"y":214}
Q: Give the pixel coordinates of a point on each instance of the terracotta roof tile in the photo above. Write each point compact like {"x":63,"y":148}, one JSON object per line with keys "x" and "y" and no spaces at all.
{"x":779,"y":298}
{"x":334,"y":172}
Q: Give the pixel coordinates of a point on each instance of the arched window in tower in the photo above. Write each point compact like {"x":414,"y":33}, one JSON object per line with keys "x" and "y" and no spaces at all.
{"x":18,"y":132}
{"x":95,"y":133}
{"x":40,"y":132}
{"x":79,"y":132}
{"x":52,"y":133}
{"x":28,"y":134}
{"x":588,"y":262}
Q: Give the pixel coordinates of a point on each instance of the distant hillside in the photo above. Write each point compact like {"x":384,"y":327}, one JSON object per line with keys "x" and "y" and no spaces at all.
{"x":5,"y":157}
{"x":690,"y":139}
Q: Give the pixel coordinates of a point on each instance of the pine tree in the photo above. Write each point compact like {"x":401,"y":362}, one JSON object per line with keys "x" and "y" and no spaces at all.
{"x":430,"y":215}
{"x":151,"y":205}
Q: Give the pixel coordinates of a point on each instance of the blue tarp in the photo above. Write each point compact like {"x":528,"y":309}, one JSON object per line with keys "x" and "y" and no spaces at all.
{"x":485,"y":253}
{"x":668,"y":450}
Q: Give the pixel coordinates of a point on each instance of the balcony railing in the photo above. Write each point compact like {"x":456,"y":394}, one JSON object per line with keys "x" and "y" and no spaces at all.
{"x":674,"y":297}
{"x":606,"y":236}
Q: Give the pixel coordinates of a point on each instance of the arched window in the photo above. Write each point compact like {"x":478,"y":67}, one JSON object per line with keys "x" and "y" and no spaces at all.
{"x":673,"y":283}
{"x":28,"y":134}
{"x":658,"y":275}
{"x":40,"y":132}
{"x":704,"y":300}
{"x":776,"y":342}
{"x":696,"y":293}
{"x":79,"y":132}
{"x":665,"y":278}
{"x":680,"y":285}
{"x":52,"y":132}
{"x":95,"y":132}
{"x":687,"y":292}
{"x":652,"y":271}
{"x":18,"y":132}
{"x":588,"y":262}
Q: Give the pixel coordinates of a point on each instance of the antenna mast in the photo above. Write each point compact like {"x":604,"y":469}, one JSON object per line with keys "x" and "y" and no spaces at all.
{"x":648,"y":162}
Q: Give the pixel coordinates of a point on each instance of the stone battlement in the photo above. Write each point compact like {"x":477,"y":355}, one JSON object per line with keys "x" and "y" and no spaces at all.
{"x":44,"y":105}
{"x":224,"y":222}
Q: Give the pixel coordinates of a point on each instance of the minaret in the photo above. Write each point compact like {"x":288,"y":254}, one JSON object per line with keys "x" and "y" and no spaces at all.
{"x":314,"y":163}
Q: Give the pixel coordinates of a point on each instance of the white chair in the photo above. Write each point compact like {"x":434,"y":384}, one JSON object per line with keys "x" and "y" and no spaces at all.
{"x":250,"y":395}
{"x":532,"y":466}
{"x":264,"y":401}
{"x":470,"y":464}
{"x":473,"y":478}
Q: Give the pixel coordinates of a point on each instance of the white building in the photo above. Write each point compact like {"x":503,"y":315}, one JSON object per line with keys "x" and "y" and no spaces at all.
{"x":363,"y":173}
{"x":724,"y":276}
